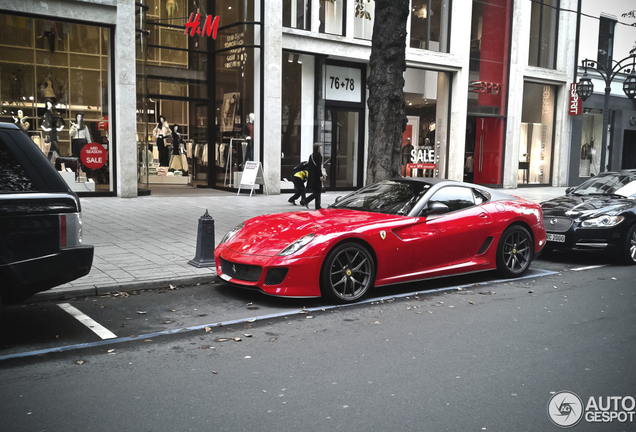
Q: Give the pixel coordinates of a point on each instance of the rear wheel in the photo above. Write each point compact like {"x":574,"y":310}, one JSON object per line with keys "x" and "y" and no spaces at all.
{"x":628,"y":253}
{"x":514,"y":252}
{"x":347,"y":273}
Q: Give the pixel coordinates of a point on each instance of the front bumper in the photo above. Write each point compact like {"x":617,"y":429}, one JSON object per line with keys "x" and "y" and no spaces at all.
{"x":586,"y":239}
{"x":267,"y":274}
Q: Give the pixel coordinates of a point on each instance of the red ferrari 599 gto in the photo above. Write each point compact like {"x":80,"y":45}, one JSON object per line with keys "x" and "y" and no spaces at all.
{"x":390,"y":232}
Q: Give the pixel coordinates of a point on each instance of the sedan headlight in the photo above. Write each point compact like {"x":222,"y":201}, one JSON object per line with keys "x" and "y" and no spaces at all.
{"x":231,"y":233}
{"x":604,"y":221}
{"x":297,"y":245}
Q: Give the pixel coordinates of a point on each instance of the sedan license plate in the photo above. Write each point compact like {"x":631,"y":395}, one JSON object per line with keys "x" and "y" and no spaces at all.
{"x":225,"y":277}
{"x":560,"y":238}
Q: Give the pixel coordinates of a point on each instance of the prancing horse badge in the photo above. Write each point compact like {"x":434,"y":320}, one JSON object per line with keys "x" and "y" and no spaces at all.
{"x":383,"y":234}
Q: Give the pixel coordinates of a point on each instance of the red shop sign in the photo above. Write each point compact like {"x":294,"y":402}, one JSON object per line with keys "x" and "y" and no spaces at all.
{"x":421,"y":166}
{"x":576,"y":104}
{"x":93,"y":155}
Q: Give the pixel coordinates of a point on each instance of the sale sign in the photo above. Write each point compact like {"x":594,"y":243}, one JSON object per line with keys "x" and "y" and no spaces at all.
{"x":93,"y":155}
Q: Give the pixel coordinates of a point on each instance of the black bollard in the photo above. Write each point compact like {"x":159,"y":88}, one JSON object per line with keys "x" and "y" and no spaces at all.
{"x":205,"y":242}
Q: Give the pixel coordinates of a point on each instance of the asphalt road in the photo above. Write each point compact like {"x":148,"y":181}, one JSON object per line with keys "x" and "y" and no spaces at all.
{"x":487,"y":357}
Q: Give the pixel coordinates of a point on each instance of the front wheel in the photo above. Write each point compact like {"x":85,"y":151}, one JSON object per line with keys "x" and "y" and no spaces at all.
{"x":347,"y":273}
{"x":514,"y":252}
{"x":628,"y":253}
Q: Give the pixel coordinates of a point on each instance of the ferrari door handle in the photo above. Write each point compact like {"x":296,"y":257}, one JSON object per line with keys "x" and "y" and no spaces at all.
{"x":483,"y":215}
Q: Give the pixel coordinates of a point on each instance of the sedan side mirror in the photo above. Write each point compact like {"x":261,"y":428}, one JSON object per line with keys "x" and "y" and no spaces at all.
{"x":434,"y":208}
{"x":569,"y":190}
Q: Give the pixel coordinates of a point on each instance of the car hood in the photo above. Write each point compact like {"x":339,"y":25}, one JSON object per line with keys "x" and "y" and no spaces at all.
{"x":269,"y":234}
{"x":583,"y":207}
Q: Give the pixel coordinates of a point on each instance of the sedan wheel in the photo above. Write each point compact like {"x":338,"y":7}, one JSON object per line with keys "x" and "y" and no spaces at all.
{"x":514,"y":252}
{"x":629,"y":250}
{"x":348,"y":273}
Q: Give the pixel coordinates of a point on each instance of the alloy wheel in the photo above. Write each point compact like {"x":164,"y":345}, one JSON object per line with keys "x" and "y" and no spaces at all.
{"x":349,"y":273}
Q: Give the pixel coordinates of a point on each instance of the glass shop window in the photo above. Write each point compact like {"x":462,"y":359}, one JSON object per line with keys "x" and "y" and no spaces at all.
{"x":297,"y":14}
{"x":544,"y":23}
{"x":430,"y":25}
{"x":332,"y":16}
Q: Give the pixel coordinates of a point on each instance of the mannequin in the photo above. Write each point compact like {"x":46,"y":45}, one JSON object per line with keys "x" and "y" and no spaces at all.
{"x":248,"y":133}
{"x":20,"y":120}
{"x":52,"y":124}
{"x":176,"y":160}
{"x":80,"y":135}
{"x":47,"y":88}
{"x":161,"y":132}
{"x":171,"y":9}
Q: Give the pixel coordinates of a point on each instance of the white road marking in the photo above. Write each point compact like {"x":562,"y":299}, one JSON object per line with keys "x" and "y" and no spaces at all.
{"x":589,"y":267}
{"x":97,"y":328}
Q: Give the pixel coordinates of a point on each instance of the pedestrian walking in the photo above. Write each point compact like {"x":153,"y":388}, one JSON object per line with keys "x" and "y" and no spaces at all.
{"x":314,"y":182}
{"x":299,"y":179}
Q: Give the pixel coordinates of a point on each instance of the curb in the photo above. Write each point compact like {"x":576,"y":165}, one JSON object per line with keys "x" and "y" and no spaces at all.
{"x":93,"y":290}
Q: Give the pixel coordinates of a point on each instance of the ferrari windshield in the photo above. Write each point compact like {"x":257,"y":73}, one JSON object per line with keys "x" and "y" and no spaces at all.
{"x":610,"y":184}
{"x":389,"y":196}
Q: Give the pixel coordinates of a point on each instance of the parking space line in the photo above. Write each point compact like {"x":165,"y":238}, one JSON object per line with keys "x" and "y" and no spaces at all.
{"x":589,"y":267}
{"x":287,"y":313}
{"x":96,"y":327}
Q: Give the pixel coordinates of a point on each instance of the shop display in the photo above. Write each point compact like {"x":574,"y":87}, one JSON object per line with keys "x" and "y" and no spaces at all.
{"x":80,"y":134}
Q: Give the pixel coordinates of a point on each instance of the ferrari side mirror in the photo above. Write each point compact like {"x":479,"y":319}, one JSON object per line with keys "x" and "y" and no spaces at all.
{"x":434,"y":208}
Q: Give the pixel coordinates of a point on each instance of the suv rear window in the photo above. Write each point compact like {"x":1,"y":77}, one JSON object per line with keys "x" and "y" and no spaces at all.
{"x":13,"y":177}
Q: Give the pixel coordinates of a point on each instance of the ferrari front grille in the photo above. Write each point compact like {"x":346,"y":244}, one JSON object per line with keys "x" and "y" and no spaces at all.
{"x":557,"y":224}
{"x":276,"y":276}
{"x":244,"y":272}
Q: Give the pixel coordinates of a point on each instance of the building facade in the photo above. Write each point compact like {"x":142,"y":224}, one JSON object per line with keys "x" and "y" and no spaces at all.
{"x":606,"y":35}
{"x":486,"y":89}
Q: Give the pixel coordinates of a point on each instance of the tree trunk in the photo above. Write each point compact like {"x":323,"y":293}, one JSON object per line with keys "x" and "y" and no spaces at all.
{"x":387,"y":117}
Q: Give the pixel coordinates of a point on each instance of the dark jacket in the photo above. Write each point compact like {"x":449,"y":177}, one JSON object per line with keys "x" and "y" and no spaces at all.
{"x":315,"y":171}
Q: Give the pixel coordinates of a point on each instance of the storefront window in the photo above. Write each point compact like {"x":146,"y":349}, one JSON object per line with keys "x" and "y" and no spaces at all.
{"x":235,"y":139}
{"x":427,"y":104}
{"x":295,"y":66}
{"x":54,"y":83}
{"x":544,"y":22}
{"x":537,"y":126}
{"x":297,"y":14}
{"x":364,"y":19}
{"x":430,"y":24}
{"x":490,"y":36}
{"x":332,"y":16}
{"x":591,"y":137}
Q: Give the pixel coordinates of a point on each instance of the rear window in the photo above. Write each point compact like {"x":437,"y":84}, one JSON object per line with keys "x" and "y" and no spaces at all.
{"x":13,"y":177}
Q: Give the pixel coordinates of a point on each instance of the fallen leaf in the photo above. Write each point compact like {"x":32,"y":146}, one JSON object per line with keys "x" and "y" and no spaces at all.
{"x":147,"y":340}
{"x":471,"y":302}
{"x":408,"y":308}
{"x":247,"y":334}
{"x":222,"y":340}
{"x":248,"y":357}
{"x":111,"y":350}
{"x":272,"y":339}
{"x":614,"y":278}
{"x":430,"y":311}
{"x":173,"y":310}
{"x":204,"y":347}
{"x":309,"y":317}
{"x":377,"y":322}
{"x":208,"y":329}
{"x":251,"y":320}
{"x":215,"y":372}
{"x":141,"y":312}
{"x":237,"y":339}
{"x":80,"y":362}
{"x":168,"y":322}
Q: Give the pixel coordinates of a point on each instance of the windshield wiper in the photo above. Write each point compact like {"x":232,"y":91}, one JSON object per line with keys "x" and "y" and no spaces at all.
{"x":608,"y":194}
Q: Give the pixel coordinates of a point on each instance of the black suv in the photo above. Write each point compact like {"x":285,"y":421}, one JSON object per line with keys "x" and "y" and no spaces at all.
{"x":40,"y":222}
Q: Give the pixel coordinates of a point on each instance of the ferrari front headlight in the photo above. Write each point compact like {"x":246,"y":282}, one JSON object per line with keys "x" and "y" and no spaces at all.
{"x":605,"y":221}
{"x":297,"y":245}
{"x":231,"y":233}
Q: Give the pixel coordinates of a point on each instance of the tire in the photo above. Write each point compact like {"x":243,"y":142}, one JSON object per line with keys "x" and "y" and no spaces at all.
{"x":514,"y":252}
{"x":347,"y":273}
{"x":628,"y":252}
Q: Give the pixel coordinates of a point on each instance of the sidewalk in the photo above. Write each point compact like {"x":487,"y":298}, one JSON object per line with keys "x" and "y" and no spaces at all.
{"x":146,"y":242}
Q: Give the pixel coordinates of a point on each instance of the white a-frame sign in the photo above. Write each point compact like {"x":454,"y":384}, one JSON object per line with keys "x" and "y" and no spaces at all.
{"x":252,"y":174}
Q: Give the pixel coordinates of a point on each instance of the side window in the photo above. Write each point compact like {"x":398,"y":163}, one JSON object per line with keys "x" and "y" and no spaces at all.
{"x":13,"y":177}
{"x":455,"y":197}
{"x":481,"y":197}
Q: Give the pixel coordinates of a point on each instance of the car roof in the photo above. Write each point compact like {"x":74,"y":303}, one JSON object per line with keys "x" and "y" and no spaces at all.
{"x":4,"y":125}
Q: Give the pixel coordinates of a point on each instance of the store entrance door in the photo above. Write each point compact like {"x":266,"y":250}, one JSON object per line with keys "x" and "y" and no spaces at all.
{"x":343,"y":131}
{"x":483,"y":151}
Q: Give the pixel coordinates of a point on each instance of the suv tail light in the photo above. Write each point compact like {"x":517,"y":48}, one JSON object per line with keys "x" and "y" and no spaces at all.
{"x":70,"y":230}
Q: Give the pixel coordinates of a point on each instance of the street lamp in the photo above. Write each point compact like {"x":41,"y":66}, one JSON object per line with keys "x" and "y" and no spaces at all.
{"x":608,"y":72}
